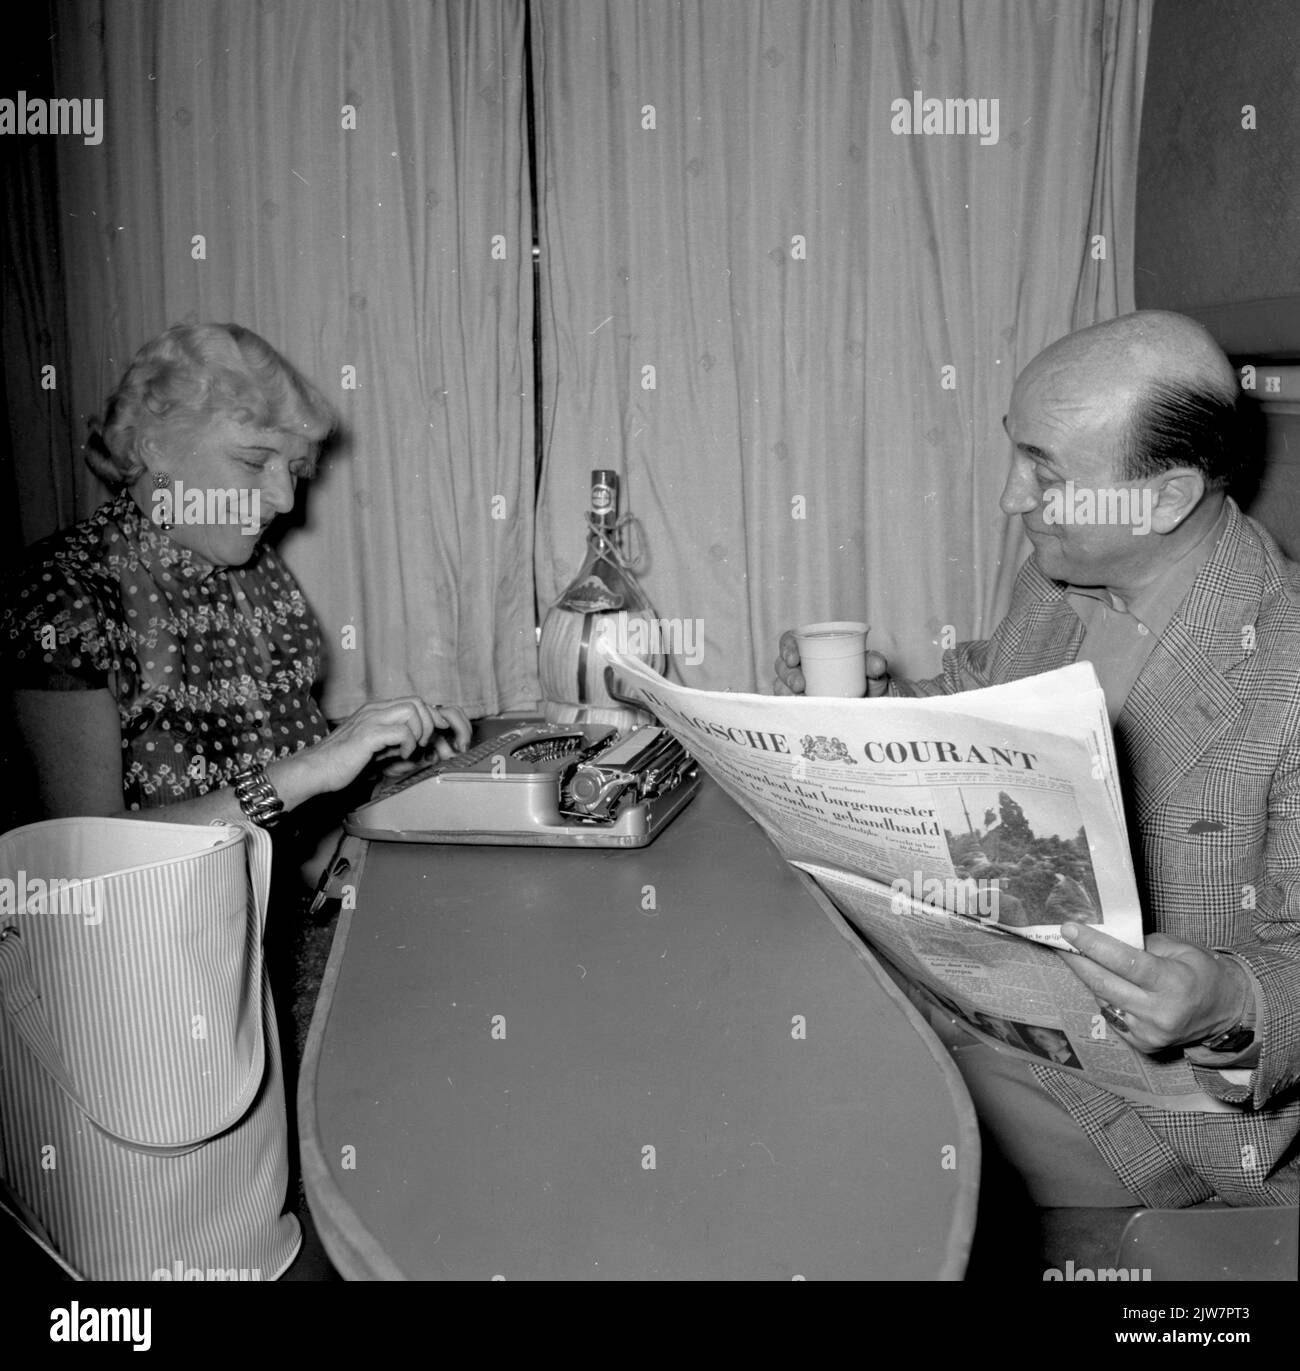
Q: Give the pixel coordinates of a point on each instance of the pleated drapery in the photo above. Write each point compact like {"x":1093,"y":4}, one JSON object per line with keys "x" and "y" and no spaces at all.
{"x":350,"y":181}
{"x":794,"y":329}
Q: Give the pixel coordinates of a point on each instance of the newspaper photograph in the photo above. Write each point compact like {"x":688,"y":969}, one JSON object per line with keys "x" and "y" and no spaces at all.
{"x":1008,"y":991}
{"x":957,"y":833}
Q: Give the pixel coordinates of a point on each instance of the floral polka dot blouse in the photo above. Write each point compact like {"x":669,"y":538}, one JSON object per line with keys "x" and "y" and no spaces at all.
{"x":212,"y":667}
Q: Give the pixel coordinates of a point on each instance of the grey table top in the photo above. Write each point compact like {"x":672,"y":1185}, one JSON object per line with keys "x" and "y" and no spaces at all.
{"x":675,"y":1062}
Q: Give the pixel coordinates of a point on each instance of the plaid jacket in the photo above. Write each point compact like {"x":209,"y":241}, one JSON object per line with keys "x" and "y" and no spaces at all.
{"x":1209,"y":750}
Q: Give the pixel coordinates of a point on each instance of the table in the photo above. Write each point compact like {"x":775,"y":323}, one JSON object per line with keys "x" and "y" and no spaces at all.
{"x":669,"y":1063}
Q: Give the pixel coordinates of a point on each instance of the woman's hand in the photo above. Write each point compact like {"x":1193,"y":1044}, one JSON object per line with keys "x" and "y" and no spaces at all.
{"x":448,"y":719}
{"x":453,"y":719}
{"x":378,"y":731}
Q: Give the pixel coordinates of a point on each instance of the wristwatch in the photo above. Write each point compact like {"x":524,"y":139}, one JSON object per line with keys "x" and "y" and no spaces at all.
{"x":257,"y":797}
{"x":1240,"y":1036}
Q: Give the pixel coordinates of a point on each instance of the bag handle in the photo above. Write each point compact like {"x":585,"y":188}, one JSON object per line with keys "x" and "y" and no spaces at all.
{"x":22,"y":1003}
{"x":259,"y":848}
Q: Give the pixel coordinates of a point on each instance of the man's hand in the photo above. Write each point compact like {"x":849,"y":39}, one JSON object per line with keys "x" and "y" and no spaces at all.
{"x":1172,"y":994}
{"x":790,"y":681}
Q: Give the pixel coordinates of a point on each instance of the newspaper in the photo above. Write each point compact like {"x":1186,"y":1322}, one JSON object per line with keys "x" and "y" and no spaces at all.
{"x":957,"y":833}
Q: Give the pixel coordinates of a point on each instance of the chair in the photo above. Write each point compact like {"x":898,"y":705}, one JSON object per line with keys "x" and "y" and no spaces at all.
{"x":1213,"y":1242}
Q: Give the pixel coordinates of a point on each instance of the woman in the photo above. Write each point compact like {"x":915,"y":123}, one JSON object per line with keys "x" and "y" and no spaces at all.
{"x":163,"y":660}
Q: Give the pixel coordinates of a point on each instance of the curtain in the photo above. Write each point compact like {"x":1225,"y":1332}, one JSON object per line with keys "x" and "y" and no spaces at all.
{"x":791,"y":329}
{"x":34,"y":416}
{"x":833,"y":311}
{"x":398,"y":248}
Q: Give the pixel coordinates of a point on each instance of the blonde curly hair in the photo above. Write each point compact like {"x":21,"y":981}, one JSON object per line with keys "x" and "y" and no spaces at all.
{"x":188,"y":375}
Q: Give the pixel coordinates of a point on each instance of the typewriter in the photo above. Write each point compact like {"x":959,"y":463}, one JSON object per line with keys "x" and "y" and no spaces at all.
{"x":539,"y":784}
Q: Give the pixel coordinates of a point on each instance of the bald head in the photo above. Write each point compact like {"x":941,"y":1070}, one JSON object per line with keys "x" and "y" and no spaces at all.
{"x":1167,"y":383}
{"x":1138,"y":350}
{"x":1140,"y":415}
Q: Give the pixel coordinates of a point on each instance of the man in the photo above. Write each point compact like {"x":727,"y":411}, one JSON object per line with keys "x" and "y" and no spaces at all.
{"x":1007,"y":909}
{"x":1067,"y":901}
{"x":994,"y":833}
{"x":1191,"y":616}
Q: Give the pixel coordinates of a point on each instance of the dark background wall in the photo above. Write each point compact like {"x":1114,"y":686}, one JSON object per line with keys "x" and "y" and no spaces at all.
{"x":1218,"y":210}
{"x":1218,"y":217}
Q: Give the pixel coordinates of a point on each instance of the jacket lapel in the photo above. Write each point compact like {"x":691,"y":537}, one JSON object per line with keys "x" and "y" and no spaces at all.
{"x":1050,"y":634}
{"x":1182,"y":701}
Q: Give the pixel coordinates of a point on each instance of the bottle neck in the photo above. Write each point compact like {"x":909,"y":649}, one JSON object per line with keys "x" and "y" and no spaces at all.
{"x":603,"y":509}
{"x":605,"y":540}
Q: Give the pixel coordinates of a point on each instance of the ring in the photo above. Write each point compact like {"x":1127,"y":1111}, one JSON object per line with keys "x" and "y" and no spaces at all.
{"x":1114,"y":1017}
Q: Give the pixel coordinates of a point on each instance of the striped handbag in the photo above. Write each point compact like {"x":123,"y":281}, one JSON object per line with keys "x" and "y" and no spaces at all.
{"x":142,"y":1116}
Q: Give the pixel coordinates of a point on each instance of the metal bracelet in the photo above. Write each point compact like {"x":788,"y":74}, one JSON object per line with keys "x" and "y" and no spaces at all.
{"x":257,"y":797}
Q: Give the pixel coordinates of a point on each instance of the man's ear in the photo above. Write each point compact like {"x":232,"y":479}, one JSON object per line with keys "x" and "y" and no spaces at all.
{"x":1174,"y":495}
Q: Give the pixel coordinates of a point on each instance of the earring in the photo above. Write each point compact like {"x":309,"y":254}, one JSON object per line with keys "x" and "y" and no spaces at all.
{"x":161,"y":481}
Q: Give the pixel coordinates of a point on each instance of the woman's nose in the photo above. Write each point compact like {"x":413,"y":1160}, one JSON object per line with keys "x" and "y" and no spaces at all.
{"x":278,"y":488}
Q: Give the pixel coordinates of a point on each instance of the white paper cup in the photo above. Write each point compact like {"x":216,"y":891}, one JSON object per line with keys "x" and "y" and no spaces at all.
{"x":833,"y":658}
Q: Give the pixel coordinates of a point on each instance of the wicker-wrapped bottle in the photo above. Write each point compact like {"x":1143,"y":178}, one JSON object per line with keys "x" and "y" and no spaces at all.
{"x":604,"y":596}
